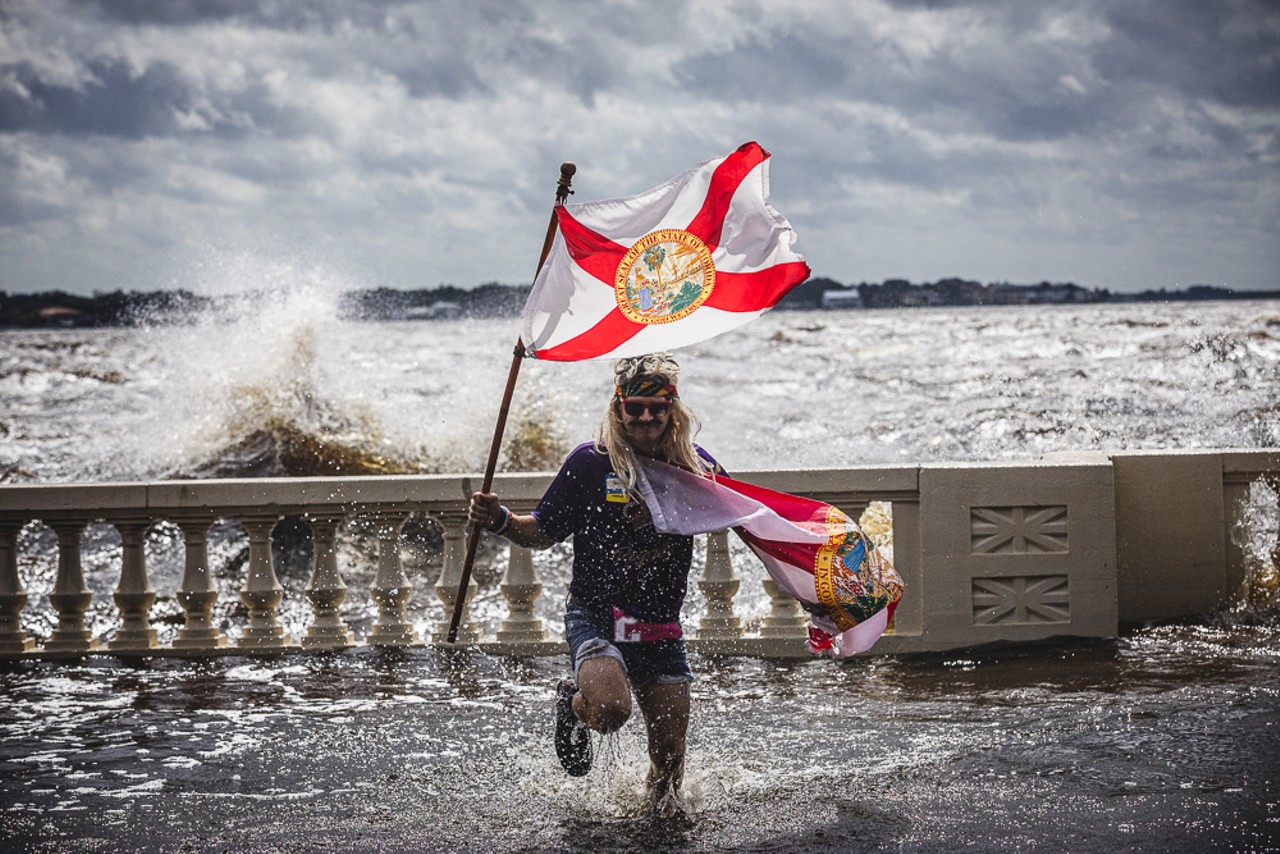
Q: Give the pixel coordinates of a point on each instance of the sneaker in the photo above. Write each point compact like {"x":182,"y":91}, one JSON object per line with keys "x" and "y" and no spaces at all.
{"x":573,"y":739}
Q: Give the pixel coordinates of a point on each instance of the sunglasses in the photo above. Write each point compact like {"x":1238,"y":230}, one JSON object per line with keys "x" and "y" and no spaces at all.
{"x":635,"y":409}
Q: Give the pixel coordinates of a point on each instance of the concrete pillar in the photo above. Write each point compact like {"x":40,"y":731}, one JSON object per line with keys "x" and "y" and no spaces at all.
{"x":70,"y":596}
{"x":1016,"y":553}
{"x":199,"y":592}
{"x":134,"y":594}
{"x":262,"y":592}
{"x":1171,"y":543}
{"x":455,"y":552}
{"x":391,"y":589}
{"x":719,"y":584}
{"x":521,"y":587}
{"x":909,"y":616}
{"x":13,"y":597}
{"x":326,"y":589}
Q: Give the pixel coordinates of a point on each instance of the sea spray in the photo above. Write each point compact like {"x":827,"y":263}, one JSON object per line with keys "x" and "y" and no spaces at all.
{"x":838,"y":389}
{"x":280,"y":381}
{"x":1255,"y":534}
{"x":261,"y":367}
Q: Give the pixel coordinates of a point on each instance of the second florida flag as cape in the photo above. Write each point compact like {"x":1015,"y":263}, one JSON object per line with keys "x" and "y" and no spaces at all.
{"x":810,"y":549}
{"x":690,"y":259}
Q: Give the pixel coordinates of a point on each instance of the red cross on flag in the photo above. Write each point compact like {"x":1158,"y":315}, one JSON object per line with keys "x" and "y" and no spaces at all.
{"x":692,"y":258}
{"x":810,"y":549}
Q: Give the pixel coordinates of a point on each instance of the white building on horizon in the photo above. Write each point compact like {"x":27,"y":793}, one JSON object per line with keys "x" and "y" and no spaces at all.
{"x":847,"y":298}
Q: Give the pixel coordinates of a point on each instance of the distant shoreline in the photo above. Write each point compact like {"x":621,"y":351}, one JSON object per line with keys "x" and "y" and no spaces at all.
{"x":58,"y":309}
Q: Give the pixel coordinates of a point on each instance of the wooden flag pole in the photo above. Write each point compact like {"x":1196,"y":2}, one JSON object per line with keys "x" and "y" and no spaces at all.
{"x":562,"y":193}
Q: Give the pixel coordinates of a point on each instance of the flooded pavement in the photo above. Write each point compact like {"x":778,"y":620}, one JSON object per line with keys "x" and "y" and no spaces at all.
{"x":1167,"y":737}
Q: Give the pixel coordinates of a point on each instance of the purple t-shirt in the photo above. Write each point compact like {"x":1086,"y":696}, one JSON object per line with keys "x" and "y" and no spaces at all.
{"x":619,"y":558}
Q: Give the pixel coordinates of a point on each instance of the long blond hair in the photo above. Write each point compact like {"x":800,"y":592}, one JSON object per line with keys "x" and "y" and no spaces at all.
{"x":677,"y":441}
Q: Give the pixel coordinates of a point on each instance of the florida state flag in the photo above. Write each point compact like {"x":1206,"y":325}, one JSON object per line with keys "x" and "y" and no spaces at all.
{"x":697,"y":256}
{"x":812,"y":550}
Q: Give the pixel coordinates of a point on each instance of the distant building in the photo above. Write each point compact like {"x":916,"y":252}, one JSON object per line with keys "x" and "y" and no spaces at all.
{"x":923,"y":295}
{"x":442,"y":310}
{"x":61,"y":315}
{"x":1047,"y":293}
{"x":846,"y":298}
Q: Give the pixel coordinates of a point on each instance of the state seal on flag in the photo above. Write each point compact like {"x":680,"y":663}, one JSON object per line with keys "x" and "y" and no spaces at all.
{"x":664,"y":276}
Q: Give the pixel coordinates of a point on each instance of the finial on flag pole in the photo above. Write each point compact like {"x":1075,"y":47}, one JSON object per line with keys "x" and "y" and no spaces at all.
{"x":563,"y":191}
{"x":567,"y":171}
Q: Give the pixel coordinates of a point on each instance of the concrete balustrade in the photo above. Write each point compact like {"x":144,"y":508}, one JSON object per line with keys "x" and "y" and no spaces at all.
{"x":326,"y":589}
{"x":391,"y":588}
{"x":455,"y":551}
{"x":13,"y":598}
{"x":1071,"y":545}
{"x":134,"y":595}
{"x":70,"y":596}
{"x":198,"y":593}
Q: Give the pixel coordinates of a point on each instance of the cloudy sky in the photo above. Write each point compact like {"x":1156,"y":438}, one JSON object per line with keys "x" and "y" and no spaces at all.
{"x":215,"y":143}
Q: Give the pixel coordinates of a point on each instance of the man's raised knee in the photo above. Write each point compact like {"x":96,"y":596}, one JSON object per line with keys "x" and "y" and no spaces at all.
{"x":608,"y":714}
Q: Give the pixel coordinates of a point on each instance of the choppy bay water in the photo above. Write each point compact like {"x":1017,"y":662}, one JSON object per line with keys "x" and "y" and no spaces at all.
{"x":1167,"y":738}
{"x":794,"y":389}
{"x":1169,"y":735}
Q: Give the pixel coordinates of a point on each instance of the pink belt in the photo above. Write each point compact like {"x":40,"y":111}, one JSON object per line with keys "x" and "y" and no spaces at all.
{"x":629,"y":629}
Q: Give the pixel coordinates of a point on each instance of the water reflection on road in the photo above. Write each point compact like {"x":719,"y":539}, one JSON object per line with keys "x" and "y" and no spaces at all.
{"x":1167,"y":736}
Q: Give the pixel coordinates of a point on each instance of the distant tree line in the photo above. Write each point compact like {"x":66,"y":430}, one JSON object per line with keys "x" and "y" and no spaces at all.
{"x":127,"y":308}
{"x":488,"y":300}
{"x":900,"y":293}
{"x":117,"y":308}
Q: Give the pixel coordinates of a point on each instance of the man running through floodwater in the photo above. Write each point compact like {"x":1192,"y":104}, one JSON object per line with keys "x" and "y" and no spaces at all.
{"x":628,"y":581}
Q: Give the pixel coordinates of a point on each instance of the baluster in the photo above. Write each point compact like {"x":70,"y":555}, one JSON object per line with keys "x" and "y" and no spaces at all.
{"x":391,"y":588}
{"x":786,"y":619}
{"x":521,"y":587}
{"x":70,"y":597}
{"x":326,"y":589}
{"x":134,"y":595}
{"x":719,"y":584}
{"x":262,"y":592}
{"x":455,"y":554}
{"x":198,"y":593}
{"x":13,"y":597}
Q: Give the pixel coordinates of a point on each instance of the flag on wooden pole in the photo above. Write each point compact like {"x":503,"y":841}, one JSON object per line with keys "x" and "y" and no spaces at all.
{"x":697,"y":256}
{"x":811,"y":550}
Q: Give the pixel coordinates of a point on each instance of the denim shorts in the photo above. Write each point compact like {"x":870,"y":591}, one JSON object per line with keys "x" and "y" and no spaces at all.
{"x":590,"y":635}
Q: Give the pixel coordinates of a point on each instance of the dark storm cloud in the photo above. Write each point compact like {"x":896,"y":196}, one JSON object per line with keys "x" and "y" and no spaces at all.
{"x":431,"y":54}
{"x":320,"y":15}
{"x":945,"y":127}
{"x":766,"y":70}
{"x":173,"y":12}
{"x":159,"y":101}
{"x":1014,"y":91}
{"x":443,"y":76}
{"x":1206,"y":50}
{"x":116,"y":102}
{"x":583,"y":71}
{"x":1017,"y":85}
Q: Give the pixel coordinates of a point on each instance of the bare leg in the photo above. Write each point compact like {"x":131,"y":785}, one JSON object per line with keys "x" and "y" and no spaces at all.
{"x":603,"y":701}
{"x":666,"y":717}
